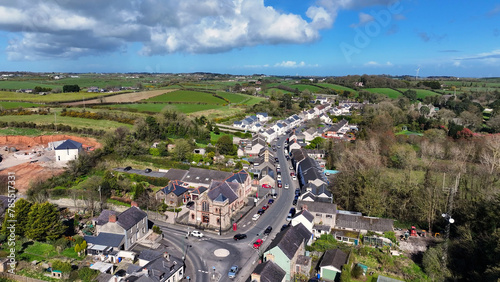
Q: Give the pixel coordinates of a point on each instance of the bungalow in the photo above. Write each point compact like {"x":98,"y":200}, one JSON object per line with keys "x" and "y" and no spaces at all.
{"x":286,"y":248}
{"x":337,"y":130}
{"x":331,"y":264}
{"x":325,"y":118}
{"x":356,"y":222}
{"x":321,"y":100}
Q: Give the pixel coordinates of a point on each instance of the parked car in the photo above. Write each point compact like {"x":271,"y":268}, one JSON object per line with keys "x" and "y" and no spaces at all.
{"x":196,"y":233}
{"x":266,"y":186}
{"x":268,"y":230}
{"x":258,"y":243}
{"x":285,"y":226}
{"x":279,"y":176}
{"x":278,"y":166}
{"x":294,"y":177}
{"x":232,"y":271}
{"x":265,"y":207}
{"x":148,"y":170}
{"x":127,"y":168}
{"x":239,"y":237}
{"x":287,"y":158}
{"x":280,"y":185}
{"x":261,"y":212}
{"x":294,"y":202}
{"x":291,"y":168}
{"x":275,"y":195}
{"x":255,"y":216}
{"x":270,"y":202}
{"x":292,"y":174}
{"x":189,"y":204}
{"x":289,"y":217}
{"x":292,"y":211}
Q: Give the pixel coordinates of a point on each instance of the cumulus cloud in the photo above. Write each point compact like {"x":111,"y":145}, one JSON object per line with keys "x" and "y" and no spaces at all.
{"x":290,"y":64}
{"x":71,"y":29}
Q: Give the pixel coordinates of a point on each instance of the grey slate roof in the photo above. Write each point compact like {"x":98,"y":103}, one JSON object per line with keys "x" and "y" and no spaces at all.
{"x":290,"y":239}
{"x":175,"y":187}
{"x":150,"y":255}
{"x":175,"y":174}
{"x":104,"y":217}
{"x":318,"y":207}
{"x":130,"y":217}
{"x":336,"y":127}
{"x":306,"y":214}
{"x":205,"y":176}
{"x":106,"y":239}
{"x":335,"y":258}
{"x":364,"y":223}
{"x":239,"y":177}
{"x":69,"y":144}
{"x":158,"y":268}
{"x":269,"y":272}
{"x":310,"y":171}
{"x":227,"y":189}
{"x":326,"y":228}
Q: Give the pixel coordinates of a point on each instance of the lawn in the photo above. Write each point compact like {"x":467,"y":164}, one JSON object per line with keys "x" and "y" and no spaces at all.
{"x":188,"y":97}
{"x":71,"y":121}
{"x":391,"y":93}
{"x":15,"y":105}
{"x":214,"y":137}
{"x":49,"y":98}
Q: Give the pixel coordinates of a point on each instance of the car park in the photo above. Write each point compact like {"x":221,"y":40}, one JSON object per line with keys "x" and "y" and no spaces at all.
{"x":270,"y":202}
{"x":127,"y":168}
{"x":196,"y":233}
{"x":257,"y":243}
{"x":268,"y":230}
{"x":148,"y":170}
{"x":267,"y":186}
{"x":239,"y":237}
{"x":232,"y":271}
{"x":255,"y":216}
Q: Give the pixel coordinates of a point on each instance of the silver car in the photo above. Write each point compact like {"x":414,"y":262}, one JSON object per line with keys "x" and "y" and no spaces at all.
{"x":232,"y":272}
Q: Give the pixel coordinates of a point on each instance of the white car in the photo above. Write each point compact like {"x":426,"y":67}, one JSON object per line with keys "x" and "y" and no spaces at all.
{"x":196,"y":233}
{"x":294,"y":177}
{"x":291,"y":168}
{"x":279,"y":176}
{"x":255,"y":216}
{"x":286,"y":186}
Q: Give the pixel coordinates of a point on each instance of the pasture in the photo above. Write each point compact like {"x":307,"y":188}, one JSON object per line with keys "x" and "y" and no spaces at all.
{"x":391,"y":93}
{"x":15,"y":105}
{"x":337,"y":87}
{"x":158,"y":107}
{"x":71,"y":121}
{"x":49,"y":98}
{"x":421,"y":93}
{"x":187,"y":96}
{"x":234,"y":98}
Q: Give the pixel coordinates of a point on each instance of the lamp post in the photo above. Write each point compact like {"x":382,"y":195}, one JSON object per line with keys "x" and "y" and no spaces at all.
{"x":449,"y":220}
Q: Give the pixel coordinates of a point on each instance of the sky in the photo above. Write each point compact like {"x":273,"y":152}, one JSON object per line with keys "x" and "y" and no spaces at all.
{"x":275,"y":37}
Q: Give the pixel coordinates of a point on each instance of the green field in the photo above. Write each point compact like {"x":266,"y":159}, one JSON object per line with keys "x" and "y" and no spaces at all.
{"x":234,"y":98}
{"x":337,"y":87}
{"x":188,"y":97}
{"x":15,"y":85}
{"x":15,"y":105}
{"x":84,"y":80}
{"x":421,"y":93}
{"x":391,"y":93}
{"x":49,"y":98}
{"x":253,"y":101}
{"x":22,"y":131}
{"x":156,"y":108}
{"x":71,"y":121}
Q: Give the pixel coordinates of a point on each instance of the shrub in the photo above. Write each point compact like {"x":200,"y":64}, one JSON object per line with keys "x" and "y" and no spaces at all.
{"x":357,"y":271}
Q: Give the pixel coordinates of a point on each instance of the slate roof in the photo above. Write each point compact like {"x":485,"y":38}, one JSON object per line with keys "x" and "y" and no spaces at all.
{"x":130,"y":217}
{"x":306,"y":214}
{"x":69,"y":144}
{"x":364,"y":223}
{"x":298,"y":155}
{"x":159,"y":269}
{"x":106,"y":239}
{"x":150,"y":255}
{"x":204,"y":176}
{"x":239,"y":177}
{"x":176,"y":174}
{"x":326,"y":228}
{"x":310,"y":171}
{"x":290,"y":239}
{"x":336,"y":127}
{"x":199,"y":190}
{"x":318,"y":207}
{"x":335,"y":258}
{"x":175,"y":187}
{"x":228,"y":190}
{"x":104,"y":217}
{"x":262,"y":114}
{"x":269,"y":272}
{"x":237,"y":122}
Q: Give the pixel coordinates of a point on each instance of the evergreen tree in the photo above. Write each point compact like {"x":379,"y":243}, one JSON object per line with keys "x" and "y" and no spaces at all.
{"x":21,"y":210}
{"x":44,"y":223}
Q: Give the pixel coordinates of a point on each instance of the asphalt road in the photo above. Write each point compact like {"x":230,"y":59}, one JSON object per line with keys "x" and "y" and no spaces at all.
{"x":201,"y":259}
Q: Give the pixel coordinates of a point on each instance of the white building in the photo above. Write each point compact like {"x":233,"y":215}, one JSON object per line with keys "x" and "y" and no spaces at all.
{"x":68,"y":150}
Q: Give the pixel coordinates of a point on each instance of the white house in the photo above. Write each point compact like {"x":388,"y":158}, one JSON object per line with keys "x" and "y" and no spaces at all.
{"x":304,"y":217}
{"x":263,"y":117}
{"x":68,"y":150}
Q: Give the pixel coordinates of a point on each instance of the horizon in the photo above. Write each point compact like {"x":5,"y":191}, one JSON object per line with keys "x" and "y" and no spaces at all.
{"x":320,"y":38}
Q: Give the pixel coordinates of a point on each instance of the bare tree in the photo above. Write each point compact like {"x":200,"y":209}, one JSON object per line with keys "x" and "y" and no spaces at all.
{"x":490,"y":157}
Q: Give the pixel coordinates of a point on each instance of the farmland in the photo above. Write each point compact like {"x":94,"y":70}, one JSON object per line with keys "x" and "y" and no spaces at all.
{"x":337,"y":87}
{"x":422,"y":93}
{"x":71,"y":121}
{"x":49,"y":98}
{"x":186,"y":96}
{"x":124,"y":98}
{"x":391,"y":93}
{"x":14,"y":105}
{"x":158,"y":107}
{"x":233,"y":97}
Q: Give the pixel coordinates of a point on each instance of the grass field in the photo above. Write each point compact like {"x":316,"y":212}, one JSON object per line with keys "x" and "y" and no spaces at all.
{"x":83,"y":81}
{"x":234,"y":98}
{"x":337,"y":87}
{"x":302,"y":87}
{"x":391,"y":93}
{"x":23,"y":131}
{"x":253,"y":101}
{"x":15,"y":105}
{"x":187,"y":96}
{"x":71,"y":121}
{"x":421,"y":93}
{"x":50,"y":98}
{"x":15,"y":85}
{"x":156,"y":108}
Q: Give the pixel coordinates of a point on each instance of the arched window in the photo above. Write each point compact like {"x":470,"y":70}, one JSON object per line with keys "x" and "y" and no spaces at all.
{"x":205,"y":206}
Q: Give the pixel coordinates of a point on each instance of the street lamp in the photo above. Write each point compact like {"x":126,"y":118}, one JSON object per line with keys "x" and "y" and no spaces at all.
{"x":450,"y":220}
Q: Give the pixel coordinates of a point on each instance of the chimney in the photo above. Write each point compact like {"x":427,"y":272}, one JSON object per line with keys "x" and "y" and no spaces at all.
{"x":166,"y":255}
{"x":255,"y":277}
{"x":134,"y":204}
{"x":112,"y":218}
{"x":304,"y":207}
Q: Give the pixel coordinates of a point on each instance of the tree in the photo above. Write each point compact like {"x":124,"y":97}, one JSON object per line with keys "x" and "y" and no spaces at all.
{"x":86,"y":274}
{"x":21,"y":211}
{"x":434,"y":265}
{"x":71,"y":88}
{"x":494,"y":123}
{"x":424,"y":110}
{"x":44,"y":222}
{"x":410,"y":94}
{"x":225,"y":145}
{"x":471,"y":120}
{"x":182,"y":149}
{"x":78,"y":249}
{"x":64,"y":267}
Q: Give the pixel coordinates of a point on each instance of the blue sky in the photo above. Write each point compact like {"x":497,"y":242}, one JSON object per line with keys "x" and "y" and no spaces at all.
{"x":320,"y":37}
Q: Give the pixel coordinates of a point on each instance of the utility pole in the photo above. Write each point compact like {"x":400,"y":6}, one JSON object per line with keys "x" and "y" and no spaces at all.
{"x":449,"y":219}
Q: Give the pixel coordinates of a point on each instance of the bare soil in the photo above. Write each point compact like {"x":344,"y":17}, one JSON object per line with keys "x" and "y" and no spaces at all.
{"x":25,"y":142}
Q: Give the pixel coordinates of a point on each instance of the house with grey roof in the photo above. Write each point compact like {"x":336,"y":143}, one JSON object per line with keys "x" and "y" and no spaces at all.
{"x":176,"y":193}
{"x":313,"y":193}
{"x":132,"y":224}
{"x":68,"y":150}
{"x":268,"y":272}
{"x":305,"y":218}
{"x":337,"y":130}
{"x":331,"y":264}
{"x":324,"y":213}
{"x":309,"y":171}
{"x":176,"y":174}
{"x":286,"y":248}
{"x":203,"y":177}
{"x":356,"y":222}
{"x":263,"y":117}
{"x":155,"y":266}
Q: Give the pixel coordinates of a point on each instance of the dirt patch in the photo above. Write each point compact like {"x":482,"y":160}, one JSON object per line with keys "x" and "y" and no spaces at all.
{"x":123,"y":98}
{"x":25,"y":142}
{"x":29,"y":172}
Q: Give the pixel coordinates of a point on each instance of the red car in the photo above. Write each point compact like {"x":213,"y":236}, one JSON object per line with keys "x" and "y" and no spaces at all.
{"x":265,"y":207}
{"x":257,"y":243}
{"x":292,"y":174}
{"x":266,"y":186}
{"x":279,"y":185}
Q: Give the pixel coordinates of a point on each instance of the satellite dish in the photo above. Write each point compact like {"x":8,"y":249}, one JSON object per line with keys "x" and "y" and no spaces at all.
{"x":451,"y":220}
{"x":443,"y":215}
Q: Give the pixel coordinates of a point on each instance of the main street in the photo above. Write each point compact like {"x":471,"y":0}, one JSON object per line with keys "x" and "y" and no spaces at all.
{"x":214,"y":254}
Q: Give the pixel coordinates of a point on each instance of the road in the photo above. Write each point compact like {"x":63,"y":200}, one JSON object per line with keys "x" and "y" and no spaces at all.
{"x":203,"y":255}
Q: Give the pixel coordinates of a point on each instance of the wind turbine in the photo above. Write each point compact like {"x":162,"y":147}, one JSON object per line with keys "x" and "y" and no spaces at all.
{"x":417,"y":70}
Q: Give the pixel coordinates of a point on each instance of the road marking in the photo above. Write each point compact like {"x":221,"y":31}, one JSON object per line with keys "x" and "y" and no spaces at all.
{"x":203,"y":271}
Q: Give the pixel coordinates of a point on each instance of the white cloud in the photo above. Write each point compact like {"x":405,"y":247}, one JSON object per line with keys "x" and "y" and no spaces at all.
{"x":375,"y":64}
{"x":371,"y":63}
{"x":363,"y":19}
{"x":389,"y":64}
{"x":71,"y":29}
{"x":290,"y":64}
{"x":492,"y":57}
